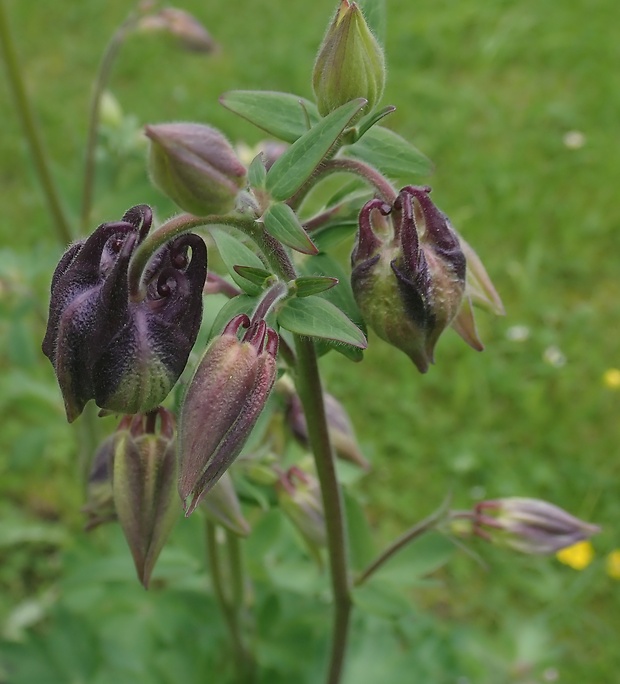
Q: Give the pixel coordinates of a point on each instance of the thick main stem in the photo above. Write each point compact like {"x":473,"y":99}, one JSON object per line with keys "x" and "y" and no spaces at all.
{"x":31,"y":130}
{"x":311,"y":394}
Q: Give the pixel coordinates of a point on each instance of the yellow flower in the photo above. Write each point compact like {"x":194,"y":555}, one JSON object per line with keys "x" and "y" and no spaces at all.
{"x":611,"y":378}
{"x":612,"y":564}
{"x":578,"y":556}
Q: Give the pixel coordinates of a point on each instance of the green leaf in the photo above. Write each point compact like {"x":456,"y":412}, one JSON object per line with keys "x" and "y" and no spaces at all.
{"x":361,"y":545}
{"x":284,"y":115}
{"x":300,"y":161}
{"x":373,"y":118}
{"x":281,"y":222}
{"x":235,"y":253}
{"x":382,"y":599}
{"x":258,"y":276}
{"x":316,"y":317}
{"x":341,"y":296}
{"x":333,"y":234}
{"x":311,"y":285}
{"x":389,"y":153}
{"x":257,"y":173}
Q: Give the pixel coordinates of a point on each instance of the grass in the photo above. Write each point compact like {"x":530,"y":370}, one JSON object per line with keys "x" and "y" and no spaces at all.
{"x":489,"y":93}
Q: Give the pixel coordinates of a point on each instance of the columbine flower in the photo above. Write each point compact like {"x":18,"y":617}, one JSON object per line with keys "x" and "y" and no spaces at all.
{"x":125,"y":355}
{"x":410,"y":275}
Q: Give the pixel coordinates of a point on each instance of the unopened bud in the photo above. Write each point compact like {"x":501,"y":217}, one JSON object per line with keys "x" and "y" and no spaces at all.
{"x":350,"y":62}
{"x":195,"y":166}
{"x":99,"y":506}
{"x":190,"y":33}
{"x":529,"y":525}
{"x":222,"y":507}
{"x":299,"y":496}
{"x":125,"y":355}
{"x":144,"y":486}
{"x":226,"y":396}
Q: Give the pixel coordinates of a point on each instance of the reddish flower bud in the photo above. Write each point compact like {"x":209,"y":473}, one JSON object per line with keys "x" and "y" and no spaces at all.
{"x":227,"y":394}
{"x":195,"y":166}
{"x":125,"y":355}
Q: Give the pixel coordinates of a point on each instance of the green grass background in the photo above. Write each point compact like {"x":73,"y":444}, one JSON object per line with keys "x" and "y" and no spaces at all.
{"x":488,"y":91}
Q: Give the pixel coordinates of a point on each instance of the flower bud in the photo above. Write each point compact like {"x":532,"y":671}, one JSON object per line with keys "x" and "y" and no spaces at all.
{"x":222,"y":507}
{"x":341,"y":433}
{"x":529,"y":525}
{"x":125,"y":355}
{"x":299,"y":496}
{"x":195,"y":166}
{"x":99,"y":506}
{"x":350,"y":63}
{"x":226,"y":396}
{"x":409,"y":281}
{"x":144,"y":486}
{"x":191,"y":34}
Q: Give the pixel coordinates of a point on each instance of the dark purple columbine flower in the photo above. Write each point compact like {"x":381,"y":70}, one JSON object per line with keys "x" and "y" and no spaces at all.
{"x":125,"y":355}
{"x":409,"y":275}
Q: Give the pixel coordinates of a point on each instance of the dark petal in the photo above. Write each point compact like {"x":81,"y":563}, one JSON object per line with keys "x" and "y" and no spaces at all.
{"x":414,"y":263}
{"x":367,"y":243}
{"x":415,"y":293}
{"x":141,"y":218}
{"x":65,"y":262}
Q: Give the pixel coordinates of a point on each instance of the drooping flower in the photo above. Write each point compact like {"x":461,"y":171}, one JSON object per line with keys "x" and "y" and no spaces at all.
{"x":125,"y":355}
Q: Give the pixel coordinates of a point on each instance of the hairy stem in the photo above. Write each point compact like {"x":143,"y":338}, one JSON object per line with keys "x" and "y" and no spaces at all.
{"x":311,"y":394}
{"x":31,"y":130}
{"x":101,"y":81}
{"x":429,"y":523}
{"x":167,"y":231}
{"x":228,"y":604}
{"x":384,"y":188}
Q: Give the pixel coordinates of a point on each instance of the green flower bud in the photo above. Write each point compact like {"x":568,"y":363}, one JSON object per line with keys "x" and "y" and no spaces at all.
{"x":350,"y":63}
{"x":226,"y":396}
{"x":221,"y":505}
{"x":195,"y":166}
{"x":529,"y":525}
{"x":144,"y":486}
{"x":299,"y":496}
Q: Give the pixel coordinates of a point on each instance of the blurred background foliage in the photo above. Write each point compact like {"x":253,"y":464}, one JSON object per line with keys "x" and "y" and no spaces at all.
{"x":517,"y":105}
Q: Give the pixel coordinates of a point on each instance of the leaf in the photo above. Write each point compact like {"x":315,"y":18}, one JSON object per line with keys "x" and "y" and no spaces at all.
{"x":284,"y":115}
{"x":361,"y":545}
{"x":341,"y":296}
{"x":389,"y":153}
{"x":316,"y":317}
{"x":235,"y":253}
{"x":281,"y":222}
{"x":372,"y":119}
{"x":311,"y":285}
{"x":258,"y":276}
{"x":300,"y":161}
{"x":257,"y":173}
{"x":382,"y":599}
{"x":333,"y":234}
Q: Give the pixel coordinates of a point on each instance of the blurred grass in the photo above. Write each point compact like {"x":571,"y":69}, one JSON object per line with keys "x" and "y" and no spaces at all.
{"x":489,"y":92}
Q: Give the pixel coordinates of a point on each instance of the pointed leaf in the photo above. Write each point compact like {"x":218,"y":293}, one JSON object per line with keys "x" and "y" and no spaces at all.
{"x":281,"y":222}
{"x":235,"y":253}
{"x":389,"y":153}
{"x":373,"y":118}
{"x":300,"y":161}
{"x":284,"y":115}
{"x":258,"y":276}
{"x":311,"y":285}
{"x":257,"y":173}
{"x":316,"y":317}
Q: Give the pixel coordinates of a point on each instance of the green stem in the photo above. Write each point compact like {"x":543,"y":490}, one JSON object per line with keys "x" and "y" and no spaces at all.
{"x":227,"y":605}
{"x":101,"y":81}
{"x":384,"y":188}
{"x":31,"y":130}
{"x":311,"y":394}
{"x":166,"y":232}
{"x":412,"y":533}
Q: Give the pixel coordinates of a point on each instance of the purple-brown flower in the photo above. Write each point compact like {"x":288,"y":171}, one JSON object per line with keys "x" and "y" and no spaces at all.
{"x":125,"y":355}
